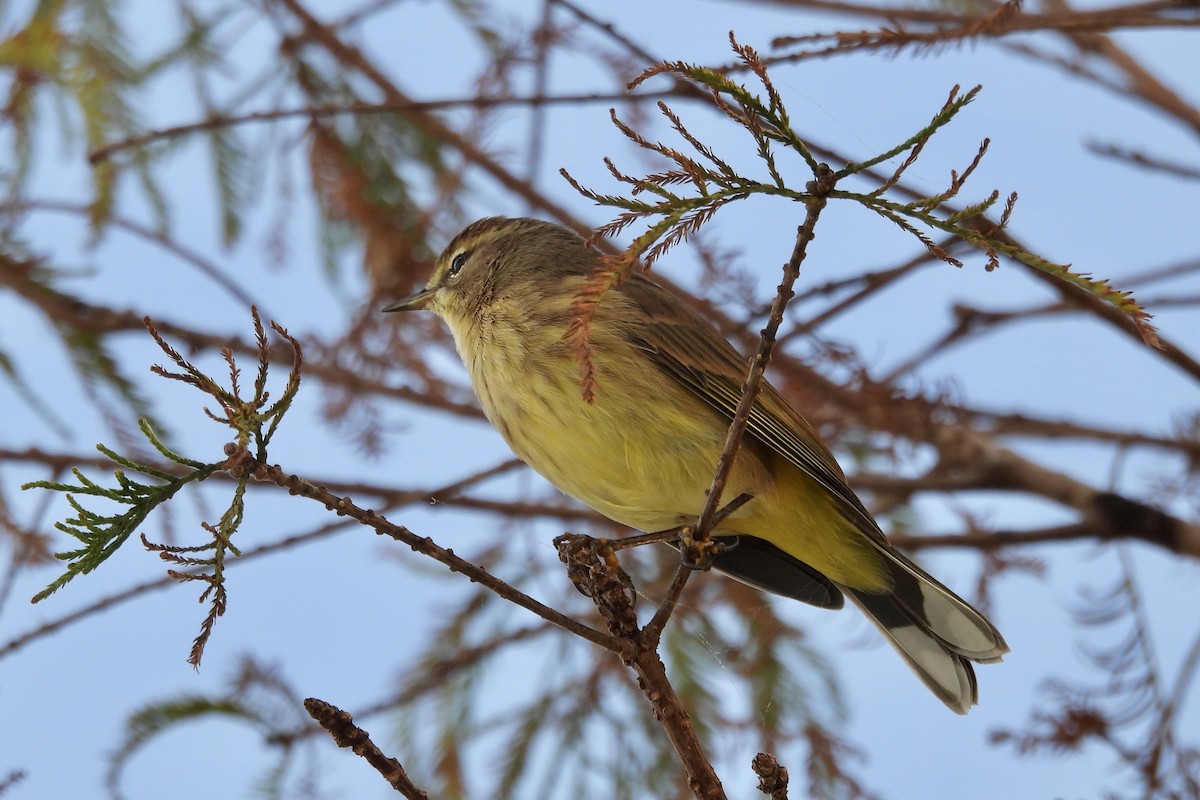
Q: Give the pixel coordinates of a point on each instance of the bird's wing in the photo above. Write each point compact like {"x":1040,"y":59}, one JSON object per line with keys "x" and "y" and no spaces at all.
{"x":932,"y":627}
{"x":687,"y":347}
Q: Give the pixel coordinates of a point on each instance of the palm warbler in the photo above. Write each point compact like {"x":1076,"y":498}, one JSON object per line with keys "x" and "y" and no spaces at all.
{"x":643,"y":452}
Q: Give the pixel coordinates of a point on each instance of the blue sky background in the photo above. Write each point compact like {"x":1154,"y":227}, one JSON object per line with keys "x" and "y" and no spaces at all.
{"x":66,"y":696}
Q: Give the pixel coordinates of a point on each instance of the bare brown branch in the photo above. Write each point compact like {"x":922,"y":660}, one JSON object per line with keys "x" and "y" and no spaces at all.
{"x":343,"y":506}
{"x":599,"y":576}
{"x":345,"y":733}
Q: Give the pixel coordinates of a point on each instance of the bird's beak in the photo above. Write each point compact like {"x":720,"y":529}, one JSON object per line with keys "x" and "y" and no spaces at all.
{"x":415,"y":302}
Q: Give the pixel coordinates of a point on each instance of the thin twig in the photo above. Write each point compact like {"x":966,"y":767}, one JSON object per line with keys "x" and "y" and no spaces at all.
{"x":926,"y":16}
{"x":652,"y":632}
{"x":77,"y":312}
{"x":346,"y":734}
{"x":996,"y":22}
{"x":541,"y":81}
{"x":53,"y":626}
{"x":1070,"y":294}
{"x":609,"y":30}
{"x":871,"y":283}
{"x":433,"y":677}
{"x":427,"y":123}
{"x":11,"y":779}
{"x":445,"y":492}
{"x":536,"y":101}
{"x":1156,"y":163}
{"x":1187,"y":675}
{"x":359,"y":15}
{"x":344,"y":506}
{"x":675,"y":534}
{"x":189,"y":256}
{"x":819,"y":189}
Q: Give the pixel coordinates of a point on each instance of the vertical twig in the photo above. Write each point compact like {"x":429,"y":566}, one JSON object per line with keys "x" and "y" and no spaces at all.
{"x":653,"y":629}
{"x":541,"y":80}
{"x":819,"y":189}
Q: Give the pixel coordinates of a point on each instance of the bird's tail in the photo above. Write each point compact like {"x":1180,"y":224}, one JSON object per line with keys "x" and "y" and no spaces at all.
{"x":936,"y":632}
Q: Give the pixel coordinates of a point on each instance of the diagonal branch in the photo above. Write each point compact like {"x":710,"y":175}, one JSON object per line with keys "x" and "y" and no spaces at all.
{"x":343,"y":730}
{"x":343,"y":506}
{"x":536,"y":101}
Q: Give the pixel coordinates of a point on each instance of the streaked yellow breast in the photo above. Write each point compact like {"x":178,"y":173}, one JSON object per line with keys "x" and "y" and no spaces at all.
{"x":644,"y":452}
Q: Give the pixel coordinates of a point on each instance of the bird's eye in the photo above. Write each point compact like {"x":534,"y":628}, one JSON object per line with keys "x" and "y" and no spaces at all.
{"x":459,"y":261}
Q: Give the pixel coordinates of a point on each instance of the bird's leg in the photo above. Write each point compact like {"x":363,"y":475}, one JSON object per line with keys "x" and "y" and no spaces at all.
{"x":699,"y":554}
{"x":673,"y":535}
{"x":626,"y":542}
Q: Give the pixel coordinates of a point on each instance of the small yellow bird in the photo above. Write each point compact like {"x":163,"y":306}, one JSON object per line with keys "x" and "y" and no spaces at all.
{"x":643,"y":452}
